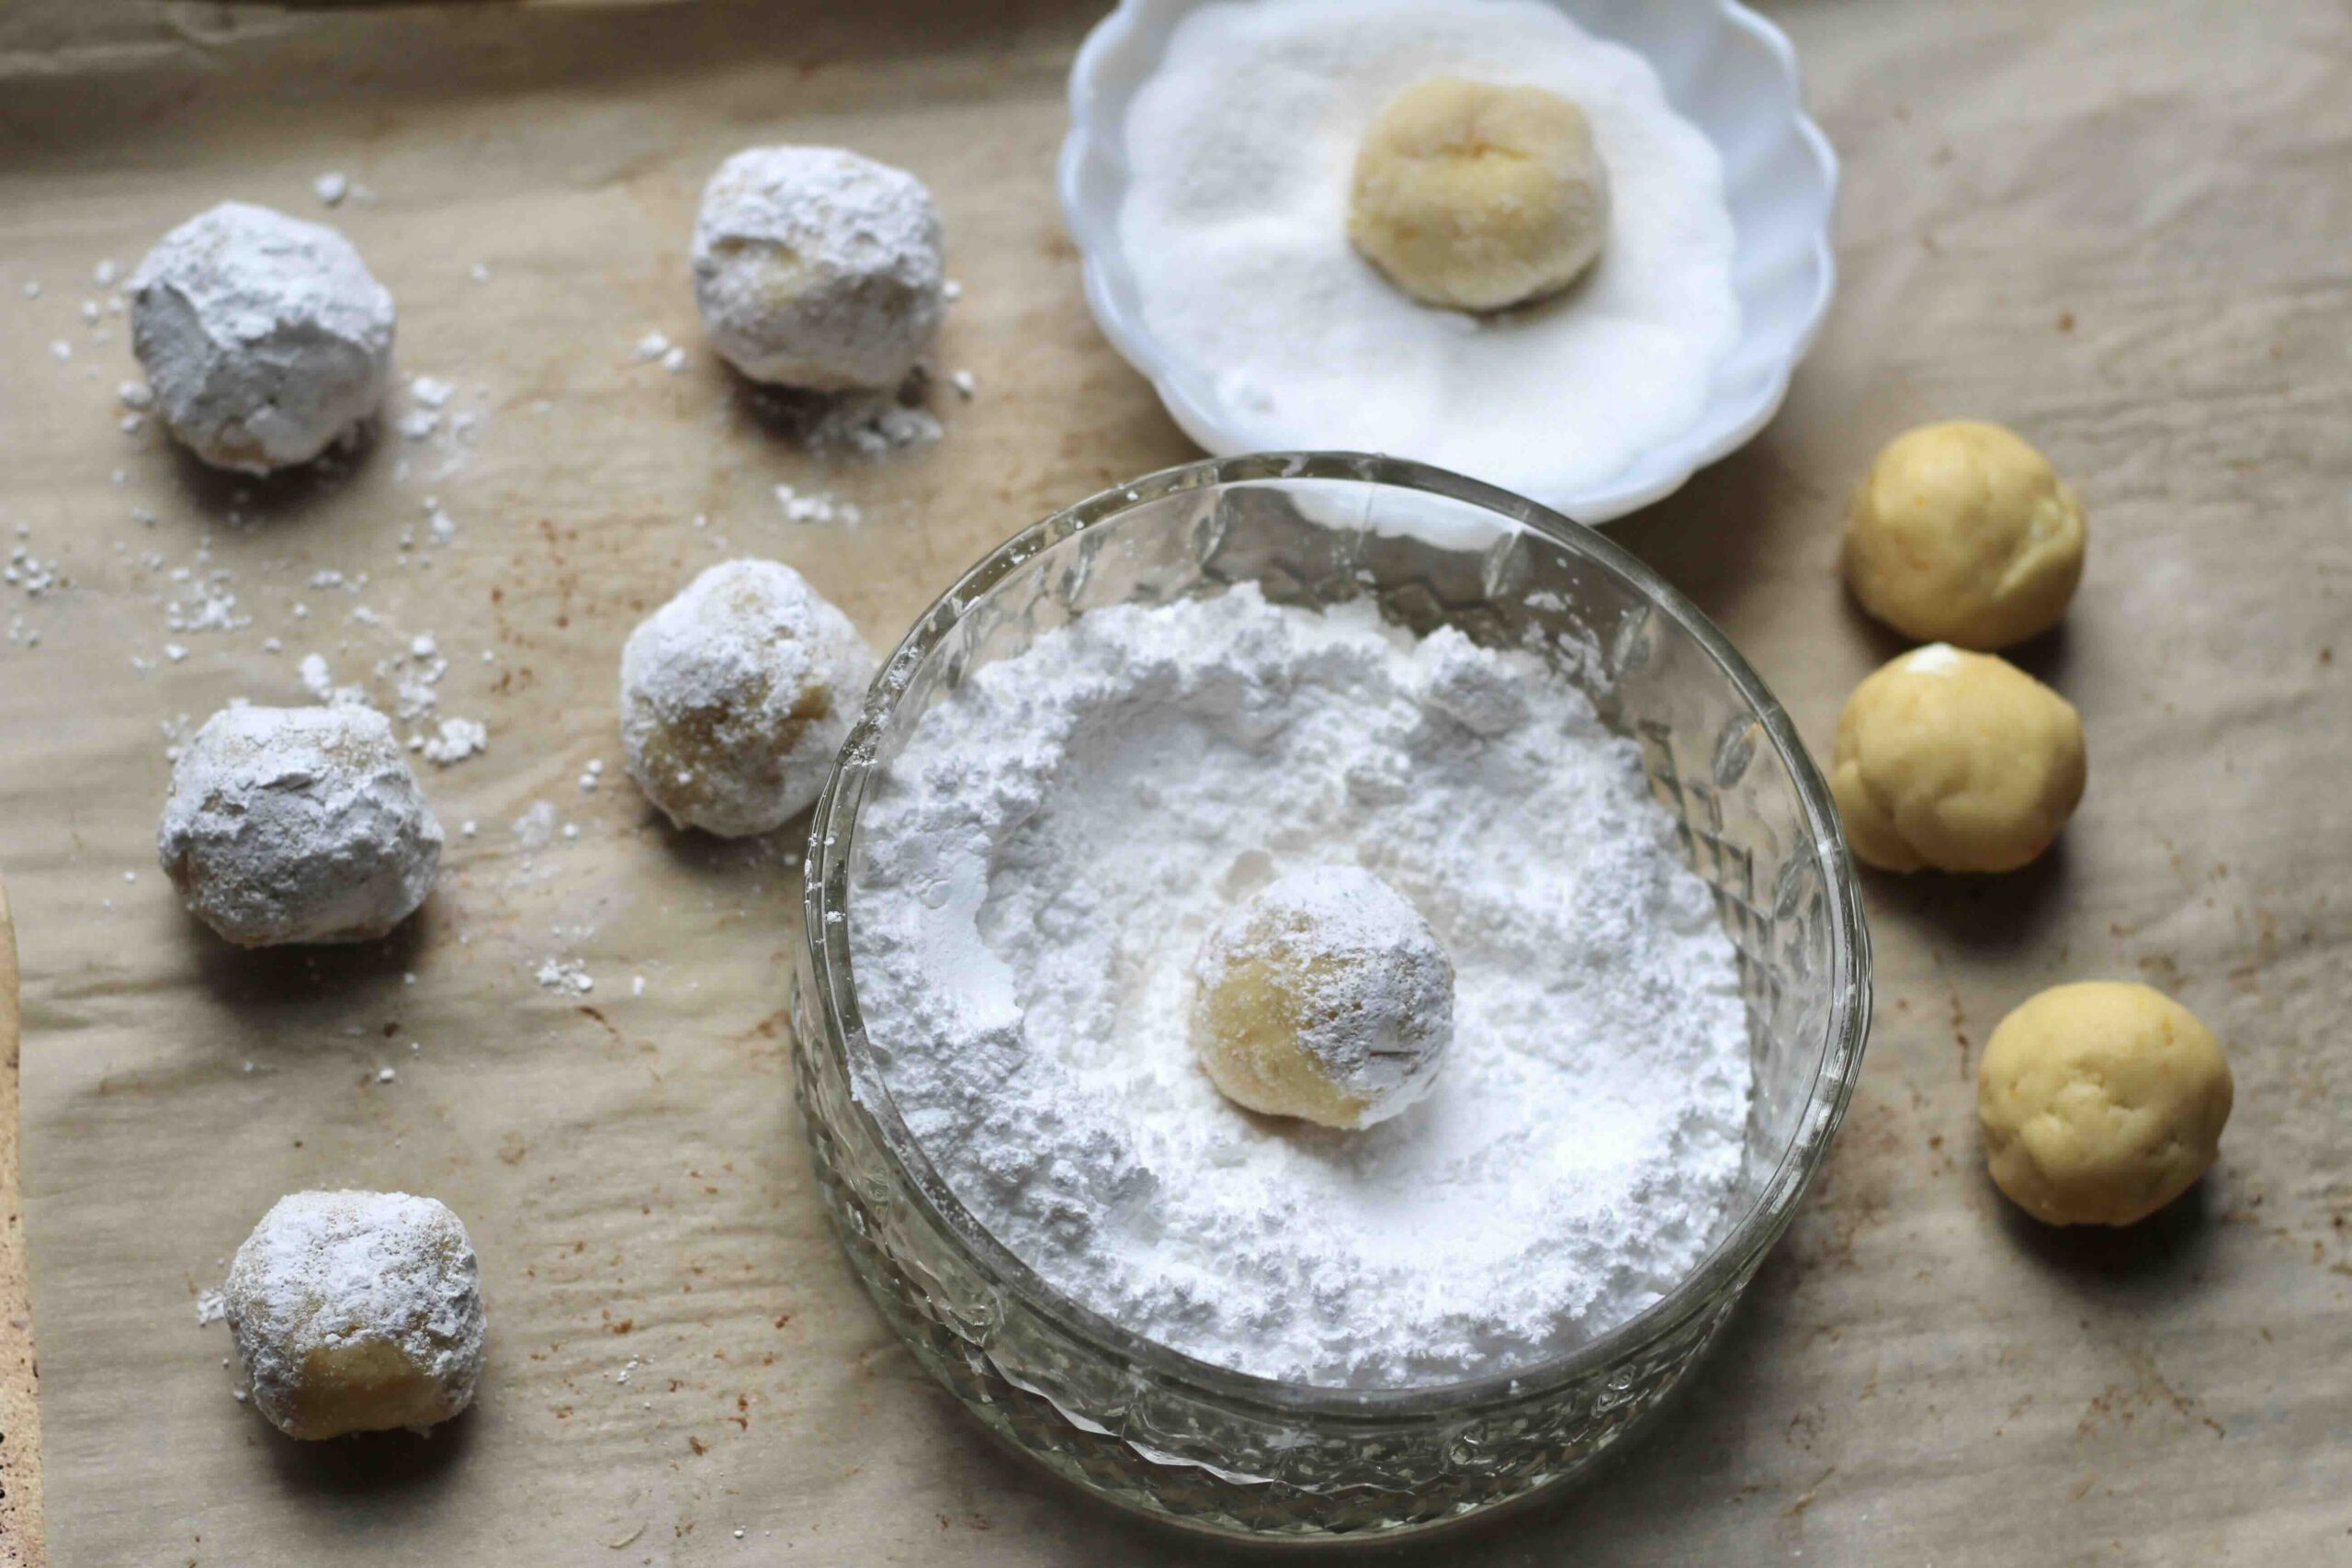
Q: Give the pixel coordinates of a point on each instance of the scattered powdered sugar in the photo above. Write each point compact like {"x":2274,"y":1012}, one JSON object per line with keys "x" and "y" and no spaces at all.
{"x":454,"y":741}
{"x":535,"y":830}
{"x":1240,"y":147}
{"x":567,"y":975}
{"x":819,"y":506}
{"x":872,"y":425}
{"x":1044,"y":860}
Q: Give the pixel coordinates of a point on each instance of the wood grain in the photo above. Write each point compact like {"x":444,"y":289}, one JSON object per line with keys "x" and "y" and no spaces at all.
{"x":21,"y":1541}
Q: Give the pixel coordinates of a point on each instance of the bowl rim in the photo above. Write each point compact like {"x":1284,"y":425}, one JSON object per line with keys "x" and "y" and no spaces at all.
{"x":1721,"y":428}
{"x":825,"y":910}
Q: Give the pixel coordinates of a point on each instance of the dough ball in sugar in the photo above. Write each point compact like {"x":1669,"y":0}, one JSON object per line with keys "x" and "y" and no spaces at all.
{"x":1957,"y":761}
{"x":1479,"y":197}
{"x":736,"y":694}
{"x":1324,"y":997}
{"x":357,"y":1311}
{"x":818,"y":268}
{"x":1962,"y":533}
{"x":2101,"y":1103}
{"x":264,"y":337}
{"x":297,"y":825}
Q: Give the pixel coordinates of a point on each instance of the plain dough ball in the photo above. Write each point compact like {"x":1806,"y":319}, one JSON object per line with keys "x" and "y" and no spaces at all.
{"x":818,"y":268}
{"x":265,"y":338}
{"x":1961,"y":532}
{"x":1325,"y":997}
{"x":1479,"y":197}
{"x":357,"y":1311}
{"x":2101,"y":1103}
{"x":1958,"y":762}
{"x":297,"y":825}
{"x":736,"y":694}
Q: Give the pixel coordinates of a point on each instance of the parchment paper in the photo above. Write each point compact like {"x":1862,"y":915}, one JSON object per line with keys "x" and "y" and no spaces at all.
{"x":2119,"y":227}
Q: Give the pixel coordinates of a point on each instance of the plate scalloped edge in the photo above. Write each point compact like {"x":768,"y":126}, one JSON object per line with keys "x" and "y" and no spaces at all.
{"x":1123,"y":48}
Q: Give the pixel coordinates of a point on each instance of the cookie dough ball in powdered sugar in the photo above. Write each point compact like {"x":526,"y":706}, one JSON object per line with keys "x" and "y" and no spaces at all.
{"x":736,"y":694}
{"x":818,"y":268}
{"x":292,"y":825}
{"x":265,"y":337}
{"x":357,"y":1311}
{"x":1325,"y":997}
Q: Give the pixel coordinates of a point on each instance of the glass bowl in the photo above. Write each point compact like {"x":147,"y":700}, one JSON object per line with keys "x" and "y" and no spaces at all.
{"x":1195,"y":1444}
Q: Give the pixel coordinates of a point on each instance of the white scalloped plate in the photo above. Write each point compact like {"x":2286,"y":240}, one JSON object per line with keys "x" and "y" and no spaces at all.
{"x":1726,"y":70}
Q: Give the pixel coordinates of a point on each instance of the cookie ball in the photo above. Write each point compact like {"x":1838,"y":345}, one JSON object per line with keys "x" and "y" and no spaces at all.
{"x":1325,"y":997}
{"x":357,"y":1311}
{"x":1479,"y":197}
{"x":265,"y":338}
{"x":1962,"y":534}
{"x":2101,"y":1103}
{"x":815,"y":267}
{"x":736,"y":694}
{"x":1955,"y":761}
{"x":297,"y":825}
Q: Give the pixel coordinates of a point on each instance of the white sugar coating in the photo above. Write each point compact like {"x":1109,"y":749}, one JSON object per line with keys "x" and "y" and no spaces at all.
{"x":357,"y":1311}
{"x":1042,"y":861}
{"x":816,"y":267}
{"x":265,"y":337}
{"x":1936,"y":659}
{"x":735,"y":695}
{"x":1364,"y":986}
{"x":297,"y":825}
{"x":1241,"y":148}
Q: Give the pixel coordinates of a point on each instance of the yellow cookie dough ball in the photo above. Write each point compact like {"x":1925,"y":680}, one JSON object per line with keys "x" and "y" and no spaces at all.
{"x":1325,"y":997}
{"x":2101,"y":1103}
{"x":1961,"y":532}
{"x":1958,"y":762}
{"x":1479,"y":197}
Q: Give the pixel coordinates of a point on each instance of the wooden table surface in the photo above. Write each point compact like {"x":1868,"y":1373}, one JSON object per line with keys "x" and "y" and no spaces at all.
{"x":20,"y":1521}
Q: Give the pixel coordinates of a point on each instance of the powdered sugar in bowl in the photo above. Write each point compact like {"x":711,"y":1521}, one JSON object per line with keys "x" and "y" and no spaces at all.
{"x":1347,"y":1430}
